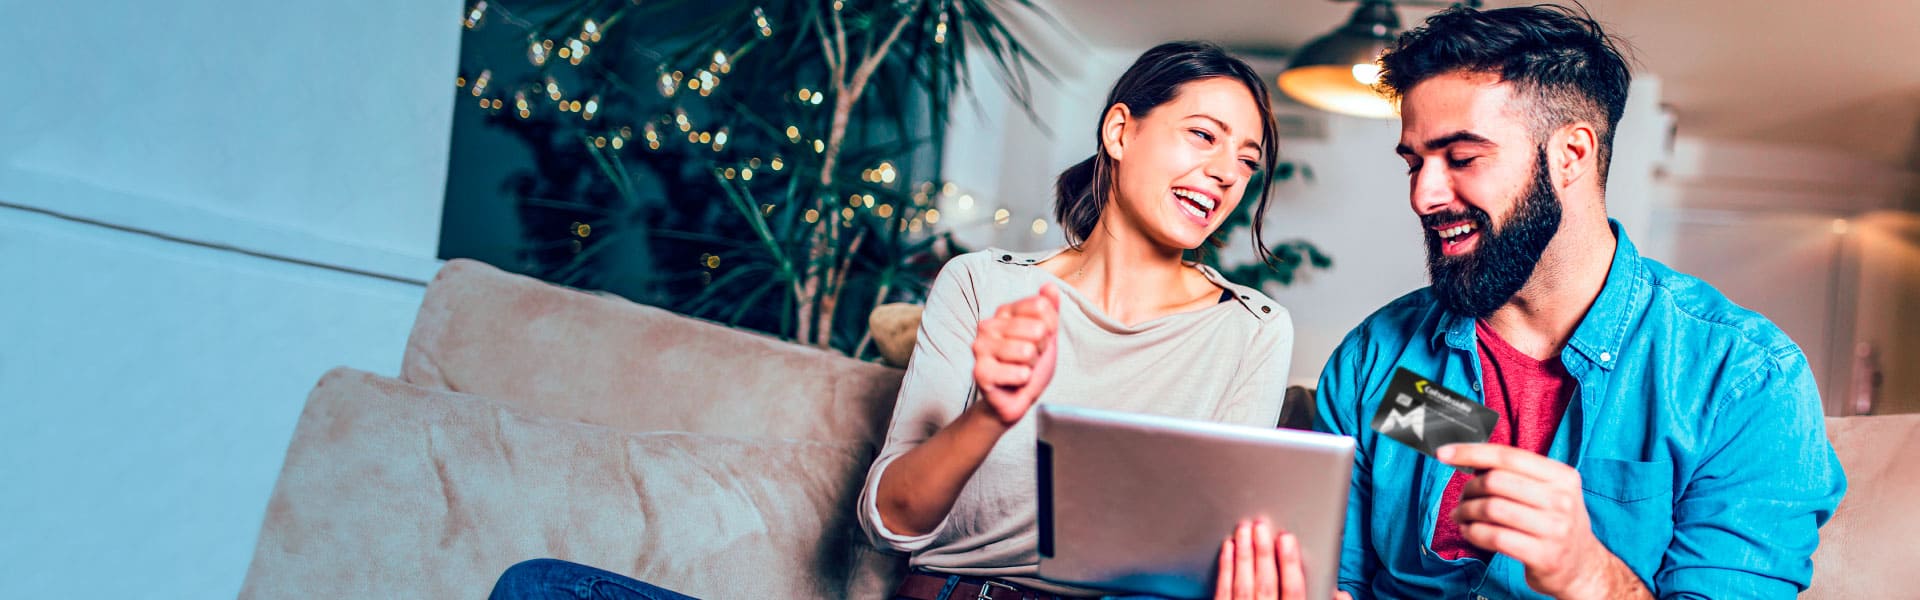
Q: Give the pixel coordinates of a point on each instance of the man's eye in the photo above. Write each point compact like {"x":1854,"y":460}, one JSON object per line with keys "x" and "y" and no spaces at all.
{"x":1461,"y":163}
{"x":1413,"y":166}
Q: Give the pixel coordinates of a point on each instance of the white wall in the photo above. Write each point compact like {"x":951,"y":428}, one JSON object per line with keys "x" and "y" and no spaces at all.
{"x":1354,"y":207}
{"x":1810,"y":238}
{"x":281,"y":127}
{"x":203,"y":207}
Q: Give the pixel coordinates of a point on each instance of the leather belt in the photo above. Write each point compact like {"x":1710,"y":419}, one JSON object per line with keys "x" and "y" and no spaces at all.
{"x":926,"y":586}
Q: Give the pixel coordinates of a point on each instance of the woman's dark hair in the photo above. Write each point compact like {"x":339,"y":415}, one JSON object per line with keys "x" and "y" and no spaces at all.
{"x":1081,"y":192}
{"x":1558,"y":60}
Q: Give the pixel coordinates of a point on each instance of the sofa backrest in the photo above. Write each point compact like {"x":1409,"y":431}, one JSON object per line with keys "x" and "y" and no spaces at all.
{"x":1867,"y":550}
{"x":604,"y":360}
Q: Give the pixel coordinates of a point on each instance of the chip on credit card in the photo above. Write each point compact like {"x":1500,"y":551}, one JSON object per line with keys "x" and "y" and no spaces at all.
{"x":1425,"y":415}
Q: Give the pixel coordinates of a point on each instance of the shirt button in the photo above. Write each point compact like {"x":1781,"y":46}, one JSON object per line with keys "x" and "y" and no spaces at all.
{"x":1606,"y":357}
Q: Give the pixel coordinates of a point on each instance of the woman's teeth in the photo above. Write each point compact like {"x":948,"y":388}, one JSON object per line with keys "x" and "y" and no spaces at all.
{"x":1197,"y":204}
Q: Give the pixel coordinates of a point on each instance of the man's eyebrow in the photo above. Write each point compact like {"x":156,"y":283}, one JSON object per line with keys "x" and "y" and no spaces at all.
{"x":1227,"y":130}
{"x":1446,"y":140}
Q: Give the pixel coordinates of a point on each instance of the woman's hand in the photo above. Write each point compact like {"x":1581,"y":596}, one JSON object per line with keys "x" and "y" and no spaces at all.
{"x":1013,"y":354}
{"x":1256,"y":564}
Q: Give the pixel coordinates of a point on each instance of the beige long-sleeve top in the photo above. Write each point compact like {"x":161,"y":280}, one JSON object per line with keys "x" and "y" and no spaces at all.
{"x":1227,"y":362}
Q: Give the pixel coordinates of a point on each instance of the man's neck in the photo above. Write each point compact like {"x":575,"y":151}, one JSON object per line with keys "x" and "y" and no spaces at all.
{"x":1543,"y":315}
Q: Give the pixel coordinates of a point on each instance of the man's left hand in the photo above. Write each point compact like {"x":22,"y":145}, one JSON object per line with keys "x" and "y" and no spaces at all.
{"x":1529,"y":507}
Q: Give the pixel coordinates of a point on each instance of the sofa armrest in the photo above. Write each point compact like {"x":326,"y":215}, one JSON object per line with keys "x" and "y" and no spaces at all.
{"x":607,"y":361}
{"x":394,"y":490}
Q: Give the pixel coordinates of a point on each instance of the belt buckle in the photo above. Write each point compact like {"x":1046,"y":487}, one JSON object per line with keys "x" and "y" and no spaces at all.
{"x":986,"y":589}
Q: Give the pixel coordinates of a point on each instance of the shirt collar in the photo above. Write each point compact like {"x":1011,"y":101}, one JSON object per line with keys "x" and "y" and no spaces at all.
{"x":1257,"y":303}
{"x":1601,"y":332}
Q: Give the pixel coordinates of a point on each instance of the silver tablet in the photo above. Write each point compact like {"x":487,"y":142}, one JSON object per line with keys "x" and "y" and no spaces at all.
{"x":1140,"y":503}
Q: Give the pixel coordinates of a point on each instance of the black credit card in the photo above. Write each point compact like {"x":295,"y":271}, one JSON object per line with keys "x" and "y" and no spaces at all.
{"x":1423,"y":414}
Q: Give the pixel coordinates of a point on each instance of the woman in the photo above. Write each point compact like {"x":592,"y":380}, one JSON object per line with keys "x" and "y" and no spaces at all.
{"x":1116,"y":320}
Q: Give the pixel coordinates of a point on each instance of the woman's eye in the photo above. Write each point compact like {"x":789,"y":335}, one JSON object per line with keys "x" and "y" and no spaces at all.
{"x":1203,"y":135}
{"x":1251,"y":164}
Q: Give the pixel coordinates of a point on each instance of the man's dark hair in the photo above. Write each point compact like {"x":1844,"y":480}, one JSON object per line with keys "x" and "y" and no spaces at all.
{"x":1557,"y":58}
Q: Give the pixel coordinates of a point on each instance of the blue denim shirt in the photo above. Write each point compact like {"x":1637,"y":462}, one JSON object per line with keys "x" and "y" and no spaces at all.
{"x":1696,"y":428}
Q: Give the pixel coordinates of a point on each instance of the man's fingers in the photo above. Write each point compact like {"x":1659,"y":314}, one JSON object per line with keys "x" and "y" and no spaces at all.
{"x":1509,"y":514}
{"x":1512,"y":486}
{"x":1504,"y":540}
{"x":1266,"y":573}
{"x":1293,"y":570}
{"x":1508,"y":458}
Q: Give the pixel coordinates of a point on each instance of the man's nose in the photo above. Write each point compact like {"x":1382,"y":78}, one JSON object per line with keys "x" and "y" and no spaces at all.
{"x":1431,"y":191}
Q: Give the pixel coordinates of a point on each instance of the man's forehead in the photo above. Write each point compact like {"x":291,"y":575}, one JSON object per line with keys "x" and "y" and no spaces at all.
{"x":1459,"y":101}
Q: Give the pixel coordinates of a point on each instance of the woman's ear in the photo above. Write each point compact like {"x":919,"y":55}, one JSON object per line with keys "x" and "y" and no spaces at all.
{"x":1112,"y":128}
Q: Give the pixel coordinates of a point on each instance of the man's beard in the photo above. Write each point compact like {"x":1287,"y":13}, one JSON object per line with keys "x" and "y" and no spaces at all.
{"x":1476,"y":283}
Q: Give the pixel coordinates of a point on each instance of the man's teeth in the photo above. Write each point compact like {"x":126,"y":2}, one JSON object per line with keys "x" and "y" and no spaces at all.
{"x":1203,"y":204}
{"x":1453,"y":232}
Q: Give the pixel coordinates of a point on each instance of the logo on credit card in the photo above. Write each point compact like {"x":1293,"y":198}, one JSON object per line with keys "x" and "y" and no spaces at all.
{"x":1414,"y":419}
{"x":1426,"y":415}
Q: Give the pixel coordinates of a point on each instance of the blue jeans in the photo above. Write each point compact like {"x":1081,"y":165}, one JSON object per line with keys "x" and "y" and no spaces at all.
{"x":545,"y":578}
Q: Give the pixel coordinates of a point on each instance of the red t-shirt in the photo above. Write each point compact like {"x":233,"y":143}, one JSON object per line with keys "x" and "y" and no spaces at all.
{"x":1530,"y":396}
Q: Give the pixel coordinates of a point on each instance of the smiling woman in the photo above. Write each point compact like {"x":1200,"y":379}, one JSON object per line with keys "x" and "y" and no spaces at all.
{"x":1185,"y":134}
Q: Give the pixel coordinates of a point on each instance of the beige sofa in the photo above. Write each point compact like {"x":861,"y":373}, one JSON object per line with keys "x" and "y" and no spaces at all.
{"x":535,"y":421}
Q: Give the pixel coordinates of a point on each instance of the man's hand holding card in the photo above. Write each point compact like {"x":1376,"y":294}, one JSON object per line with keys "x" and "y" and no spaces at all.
{"x":1526,"y":506}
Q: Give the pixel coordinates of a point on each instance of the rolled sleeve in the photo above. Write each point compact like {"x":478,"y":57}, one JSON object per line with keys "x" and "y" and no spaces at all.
{"x":1748,"y":523}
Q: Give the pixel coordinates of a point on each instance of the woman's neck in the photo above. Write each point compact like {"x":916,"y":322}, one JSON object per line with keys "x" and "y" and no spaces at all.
{"x":1130,"y":278}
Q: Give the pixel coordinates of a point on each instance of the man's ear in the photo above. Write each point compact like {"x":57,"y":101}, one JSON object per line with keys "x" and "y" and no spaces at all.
{"x":1112,"y":128}
{"x":1573,"y":154}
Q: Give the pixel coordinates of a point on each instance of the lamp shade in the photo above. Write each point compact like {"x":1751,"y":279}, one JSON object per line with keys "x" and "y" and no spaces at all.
{"x":1337,"y":71}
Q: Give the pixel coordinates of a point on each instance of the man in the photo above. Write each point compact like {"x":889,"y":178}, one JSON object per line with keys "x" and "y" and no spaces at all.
{"x":1653,"y":440}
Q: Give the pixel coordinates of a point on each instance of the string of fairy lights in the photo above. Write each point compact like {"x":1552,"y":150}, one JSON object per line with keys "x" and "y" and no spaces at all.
{"x":575,"y":49}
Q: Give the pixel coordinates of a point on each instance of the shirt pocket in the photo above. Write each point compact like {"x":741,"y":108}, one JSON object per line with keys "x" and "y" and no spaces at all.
{"x":1630,"y":504}
{"x":1626,"y":481}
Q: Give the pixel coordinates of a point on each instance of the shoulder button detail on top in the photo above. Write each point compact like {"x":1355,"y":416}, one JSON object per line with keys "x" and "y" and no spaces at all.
{"x":1266,"y":309}
{"x":1006,"y":258}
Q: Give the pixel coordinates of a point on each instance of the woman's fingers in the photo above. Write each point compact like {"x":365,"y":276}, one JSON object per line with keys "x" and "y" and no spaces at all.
{"x":1266,"y":577}
{"x":999,"y":374}
{"x":1293,"y":572}
{"x":1243,"y":551}
{"x":1223,"y":578}
{"x":1015,"y":328}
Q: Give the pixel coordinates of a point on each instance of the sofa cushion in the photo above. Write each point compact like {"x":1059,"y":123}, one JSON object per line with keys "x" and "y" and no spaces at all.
{"x":1866,"y":549}
{"x":393,"y":490}
{"x":607,"y":361}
